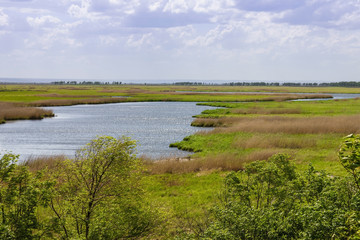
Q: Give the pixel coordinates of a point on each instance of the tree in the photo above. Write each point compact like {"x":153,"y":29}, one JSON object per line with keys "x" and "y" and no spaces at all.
{"x":349,"y":155}
{"x":22,"y":193}
{"x":99,"y":195}
{"x":270,"y":200}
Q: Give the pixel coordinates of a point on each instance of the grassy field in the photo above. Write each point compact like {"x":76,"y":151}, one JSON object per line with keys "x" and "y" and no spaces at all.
{"x":310,"y":131}
{"x":247,"y":126}
{"x":251,"y":124}
{"x":49,"y":94}
{"x":15,"y":98}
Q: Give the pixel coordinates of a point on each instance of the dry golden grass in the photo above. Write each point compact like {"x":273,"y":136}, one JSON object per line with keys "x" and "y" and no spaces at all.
{"x":287,"y":97}
{"x":11,"y":111}
{"x":75,"y":88}
{"x":263,"y":154}
{"x":314,"y":125}
{"x":214,"y":122}
{"x":40,"y":163}
{"x":256,"y":110}
{"x":275,"y":142}
{"x":221,"y":162}
{"x":68,"y":102}
{"x":55,"y":95}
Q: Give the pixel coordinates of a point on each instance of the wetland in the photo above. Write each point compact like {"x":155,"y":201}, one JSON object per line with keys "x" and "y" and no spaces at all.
{"x":254,"y":133}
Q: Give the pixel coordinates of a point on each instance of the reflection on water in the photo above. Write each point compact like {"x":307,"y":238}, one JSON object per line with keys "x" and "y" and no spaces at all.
{"x":154,"y":125}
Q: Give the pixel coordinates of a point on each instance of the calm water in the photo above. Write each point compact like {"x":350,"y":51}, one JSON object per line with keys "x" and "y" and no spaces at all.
{"x":154,"y":125}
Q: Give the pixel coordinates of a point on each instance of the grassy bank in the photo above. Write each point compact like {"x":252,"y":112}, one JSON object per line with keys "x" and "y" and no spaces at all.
{"x":16,"y":111}
{"x":310,"y":132}
{"x":18,"y":101}
{"x":49,"y":95}
{"x":250,"y":125}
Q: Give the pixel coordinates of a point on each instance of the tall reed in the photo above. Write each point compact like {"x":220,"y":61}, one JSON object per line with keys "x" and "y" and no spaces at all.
{"x":221,"y":162}
{"x":41,"y":162}
{"x":12,"y":111}
{"x":69,"y":102}
{"x":312,"y":125}
{"x":275,"y":141}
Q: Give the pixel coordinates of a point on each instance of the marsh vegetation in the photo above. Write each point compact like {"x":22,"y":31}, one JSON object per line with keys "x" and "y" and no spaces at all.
{"x":16,"y":111}
{"x":270,"y":169}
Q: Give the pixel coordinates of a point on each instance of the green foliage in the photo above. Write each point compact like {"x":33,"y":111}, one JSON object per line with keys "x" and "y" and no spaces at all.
{"x":98,"y":195}
{"x":349,"y":155}
{"x":269,"y":200}
{"x":21,"y":195}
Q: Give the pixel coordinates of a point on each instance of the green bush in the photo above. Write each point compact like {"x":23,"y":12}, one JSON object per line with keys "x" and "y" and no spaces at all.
{"x":22,"y":194}
{"x":98,"y":195}
{"x":270,"y":200}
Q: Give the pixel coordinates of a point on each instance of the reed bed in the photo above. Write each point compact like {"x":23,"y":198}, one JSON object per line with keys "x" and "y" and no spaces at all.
{"x":214,"y":122}
{"x":220,"y":162}
{"x":265,"y":111}
{"x":69,"y":102}
{"x":75,"y":88}
{"x":274,"y":141}
{"x":289,"y":97}
{"x":56,"y":95}
{"x":41,"y":162}
{"x":11,"y":111}
{"x":262,"y":154}
{"x":314,"y":125}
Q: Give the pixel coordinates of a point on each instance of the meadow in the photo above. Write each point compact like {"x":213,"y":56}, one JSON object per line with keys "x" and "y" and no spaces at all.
{"x":249,"y":125}
{"x":310,"y":131}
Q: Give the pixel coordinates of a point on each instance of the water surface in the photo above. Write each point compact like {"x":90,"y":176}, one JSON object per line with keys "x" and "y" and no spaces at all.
{"x":153,"y":124}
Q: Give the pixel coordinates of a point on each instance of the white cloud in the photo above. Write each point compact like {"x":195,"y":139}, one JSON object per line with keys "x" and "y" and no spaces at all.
{"x":176,"y":6}
{"x":212,"y":36}
{"x":155,"y":5}
{"x":54,"y":38}
{"x":140,"y":41}
{"x":4,"y":19}
{"x":213,"y":5}
{"x":182,"y":32}
{"x":349,"y":20}
{"x":108,"y":40}
{"x":39,"y":21}
{"x":125,"y":6}
{"x":83,"y":11}
{"x":219,"y":34}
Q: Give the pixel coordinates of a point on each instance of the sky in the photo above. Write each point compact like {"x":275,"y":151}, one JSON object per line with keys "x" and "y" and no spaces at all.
{"x":171,"y":40}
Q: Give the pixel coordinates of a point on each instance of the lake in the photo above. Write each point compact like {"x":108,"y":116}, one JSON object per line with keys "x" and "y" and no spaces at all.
{"x":153,"y":124}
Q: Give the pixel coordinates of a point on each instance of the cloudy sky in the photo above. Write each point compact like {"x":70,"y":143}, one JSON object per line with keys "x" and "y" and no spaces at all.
{"x":159,"y":40}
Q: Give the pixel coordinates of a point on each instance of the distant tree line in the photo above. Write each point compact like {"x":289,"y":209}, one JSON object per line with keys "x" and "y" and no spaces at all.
{"x":189,"y":83}
{"x":294,"y":84}
{"x":85,"y":83}
{"x":287,"y":84}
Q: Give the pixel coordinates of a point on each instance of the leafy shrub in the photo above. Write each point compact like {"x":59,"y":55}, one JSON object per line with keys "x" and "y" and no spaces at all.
{"x":98,"y":195}
{"x":270,"y":200}
{"x":21,"y":195}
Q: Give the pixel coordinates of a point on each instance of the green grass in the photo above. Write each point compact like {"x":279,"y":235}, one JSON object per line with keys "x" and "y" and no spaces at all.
{"x":183,"y":198}
{"x":187,"y":197}
{"x":319,"y":149}
{"x":221,"y":142}
{"x":33,"y":93}
{"x":306,"y":108}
